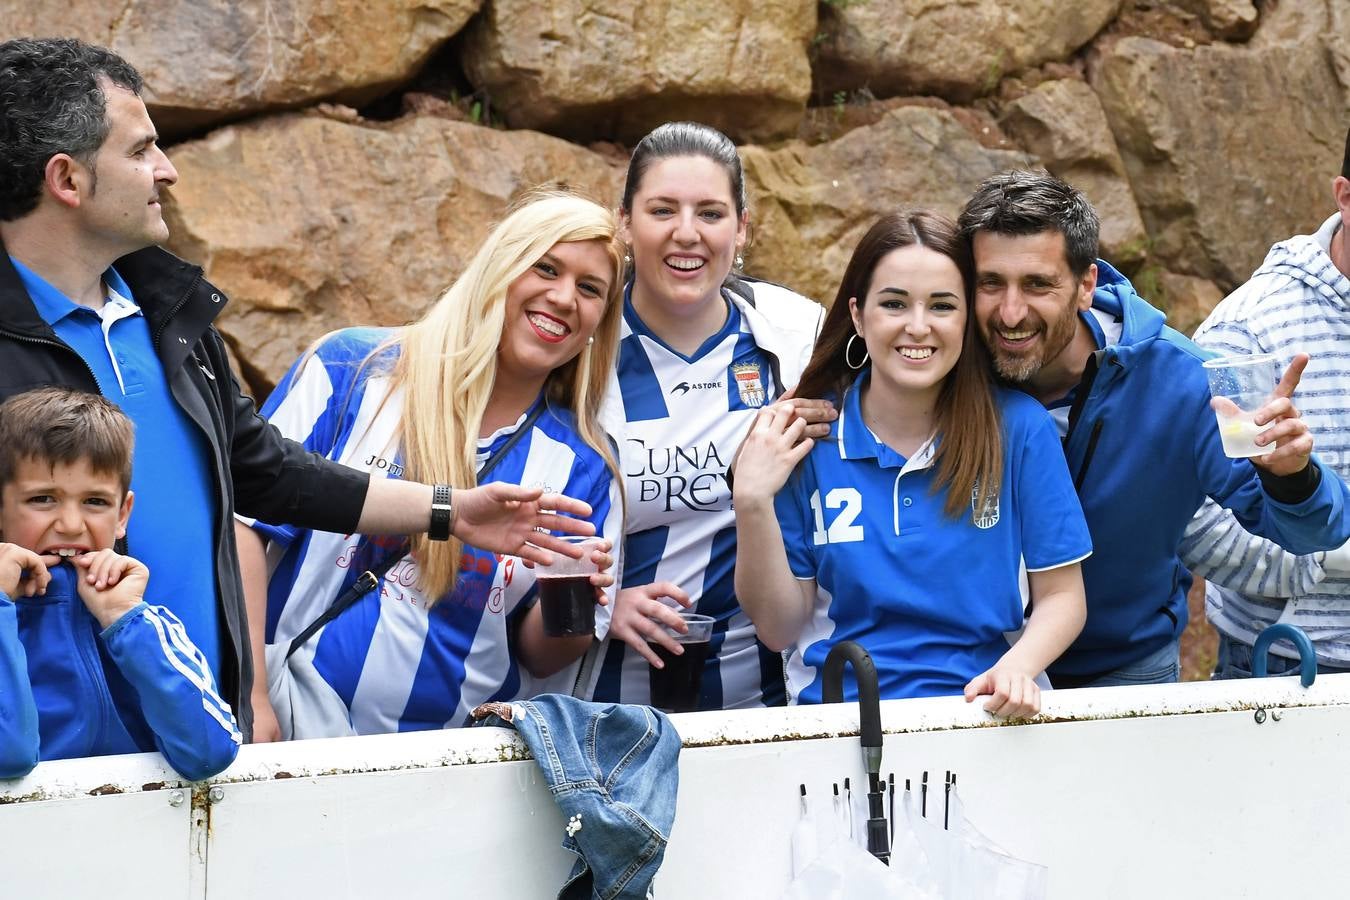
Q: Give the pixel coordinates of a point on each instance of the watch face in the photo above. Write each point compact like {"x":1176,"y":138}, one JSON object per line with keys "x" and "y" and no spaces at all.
{"x":439,"y":529}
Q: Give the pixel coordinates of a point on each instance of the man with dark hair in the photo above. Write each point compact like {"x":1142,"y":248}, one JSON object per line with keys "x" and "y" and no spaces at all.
{"x":88,"y":300}
{"x":1132,"y":402}
{"x":59,"y":107}
{"x":1298,"y":300}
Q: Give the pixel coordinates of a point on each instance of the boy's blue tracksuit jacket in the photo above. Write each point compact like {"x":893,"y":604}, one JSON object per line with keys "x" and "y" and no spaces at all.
{"x":1144,"y":450}
{"x":68,"y":690}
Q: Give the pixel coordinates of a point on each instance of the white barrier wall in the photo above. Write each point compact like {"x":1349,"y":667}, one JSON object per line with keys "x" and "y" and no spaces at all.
{"x":1201,"y":790}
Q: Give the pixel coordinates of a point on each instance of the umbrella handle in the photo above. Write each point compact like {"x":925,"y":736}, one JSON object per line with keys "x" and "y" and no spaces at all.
{"x":869,"y":694}
{"x":1307,"y":657}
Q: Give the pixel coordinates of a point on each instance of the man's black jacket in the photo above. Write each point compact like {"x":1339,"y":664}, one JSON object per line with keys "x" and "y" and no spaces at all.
{"x":255,"y":470}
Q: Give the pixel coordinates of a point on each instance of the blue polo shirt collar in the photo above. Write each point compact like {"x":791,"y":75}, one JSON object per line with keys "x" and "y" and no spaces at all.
{"x":856,"y":440}
{"x":53,"y":306}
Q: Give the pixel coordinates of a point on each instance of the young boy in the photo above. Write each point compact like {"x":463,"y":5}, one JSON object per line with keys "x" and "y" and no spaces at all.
{"x":87,"y":668}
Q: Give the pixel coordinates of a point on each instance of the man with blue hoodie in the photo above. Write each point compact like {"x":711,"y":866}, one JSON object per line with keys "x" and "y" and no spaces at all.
{"x":1298,"y":300}
{"x":1132,"y":402}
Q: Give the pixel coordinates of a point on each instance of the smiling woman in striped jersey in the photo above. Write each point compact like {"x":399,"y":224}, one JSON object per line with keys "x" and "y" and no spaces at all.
{"x":519,"y":347}
{"x":703,"y":348}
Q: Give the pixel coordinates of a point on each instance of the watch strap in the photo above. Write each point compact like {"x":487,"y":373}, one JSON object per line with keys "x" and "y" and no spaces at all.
{"x":442,"y":513}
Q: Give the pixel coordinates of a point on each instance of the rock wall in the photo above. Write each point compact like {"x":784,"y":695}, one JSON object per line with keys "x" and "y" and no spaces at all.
{"x":205,"y":61}
{"x":340,"y":160}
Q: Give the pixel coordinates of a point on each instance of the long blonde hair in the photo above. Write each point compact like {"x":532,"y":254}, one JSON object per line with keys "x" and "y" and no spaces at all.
{"x":447,"y":365}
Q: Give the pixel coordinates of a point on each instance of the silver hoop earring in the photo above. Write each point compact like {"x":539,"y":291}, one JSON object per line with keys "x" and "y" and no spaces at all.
{"x":848,"y":348}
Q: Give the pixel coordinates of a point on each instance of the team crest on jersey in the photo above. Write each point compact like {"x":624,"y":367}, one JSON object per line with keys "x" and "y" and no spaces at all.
{"x":748,"y":382}
{"x":983,"y":516}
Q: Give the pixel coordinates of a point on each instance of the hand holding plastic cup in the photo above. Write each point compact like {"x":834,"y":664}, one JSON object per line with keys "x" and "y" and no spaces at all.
{"x":1239,"y":386}
{"x":566,"y":596}
{"x":675,"y":687}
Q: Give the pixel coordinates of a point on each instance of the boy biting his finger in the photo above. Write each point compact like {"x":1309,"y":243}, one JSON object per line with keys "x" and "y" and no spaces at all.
{"x":87,"y":667}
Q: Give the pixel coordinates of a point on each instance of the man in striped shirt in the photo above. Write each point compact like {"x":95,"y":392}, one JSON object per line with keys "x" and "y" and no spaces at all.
{"x":1298,"y":301}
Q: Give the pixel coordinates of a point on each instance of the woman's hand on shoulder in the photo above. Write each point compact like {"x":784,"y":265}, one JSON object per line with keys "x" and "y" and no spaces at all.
{"x":1013,"y":694}
{"x":817,"y":414}
{"x":776,"y":443}
{"x":639,"y":616}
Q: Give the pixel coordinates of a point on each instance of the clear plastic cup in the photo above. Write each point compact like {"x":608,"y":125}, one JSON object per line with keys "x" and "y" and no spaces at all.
{"x":1238,"y":387}
{"x":566,"y":595}
{"x":676,"y":687}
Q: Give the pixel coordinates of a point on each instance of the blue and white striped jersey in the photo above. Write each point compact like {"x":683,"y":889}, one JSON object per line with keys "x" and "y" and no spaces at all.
{"x":1296,"y":302}
{"x":685,"y":417}
{"x":393,"y":662}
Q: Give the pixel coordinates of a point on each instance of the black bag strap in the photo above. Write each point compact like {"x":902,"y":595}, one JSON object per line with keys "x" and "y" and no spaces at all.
{"x":491,"y":462}
{"x":370,"y":579}
{"x":367,"y":582}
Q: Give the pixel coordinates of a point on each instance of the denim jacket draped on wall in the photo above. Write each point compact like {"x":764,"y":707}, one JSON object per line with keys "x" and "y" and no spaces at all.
{"x":613,"y":771}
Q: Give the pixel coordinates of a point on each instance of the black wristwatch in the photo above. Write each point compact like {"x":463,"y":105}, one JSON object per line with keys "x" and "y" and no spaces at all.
{"x":442,"y":513}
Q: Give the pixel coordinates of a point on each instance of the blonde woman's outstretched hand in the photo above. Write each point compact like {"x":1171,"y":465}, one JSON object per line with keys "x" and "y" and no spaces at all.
{"x":515,"y":520}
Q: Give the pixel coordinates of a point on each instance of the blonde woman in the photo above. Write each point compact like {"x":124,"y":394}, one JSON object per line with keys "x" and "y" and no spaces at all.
{"x":522,"y":342}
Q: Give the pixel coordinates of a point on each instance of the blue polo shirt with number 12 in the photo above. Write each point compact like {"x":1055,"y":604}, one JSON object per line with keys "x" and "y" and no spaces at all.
{"x":929,"y":597}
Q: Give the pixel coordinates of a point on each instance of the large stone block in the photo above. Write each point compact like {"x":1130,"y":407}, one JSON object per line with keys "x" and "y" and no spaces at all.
{"x":1231,"y":148}
{"x":811,"y":204}
{"x":1187,"y":300}
{"x":1062,"y":122}
{"x":955,"y":50}
{"x":617,"y":68}
{"x":1231,"y":19}
{"x":208,"y":60}
{"x":311,"y":224}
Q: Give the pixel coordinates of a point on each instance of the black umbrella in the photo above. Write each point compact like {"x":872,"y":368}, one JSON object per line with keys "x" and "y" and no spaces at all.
{"x":869,"y":716}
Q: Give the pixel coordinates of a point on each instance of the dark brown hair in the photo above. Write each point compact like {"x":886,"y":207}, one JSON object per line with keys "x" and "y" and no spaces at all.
{"x":53,"y":99}
{"x":61,"y":426}
{"x":684,"y":139}
{"x":1017,"y":203}
{"x":970,"y":454}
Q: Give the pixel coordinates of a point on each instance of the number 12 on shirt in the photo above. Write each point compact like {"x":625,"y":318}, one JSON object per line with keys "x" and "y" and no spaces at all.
{"x":841,"y":530}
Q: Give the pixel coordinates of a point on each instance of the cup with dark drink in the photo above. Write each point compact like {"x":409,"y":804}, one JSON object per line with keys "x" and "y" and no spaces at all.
{"x":566,"y":595}
{"x":675,"y":686}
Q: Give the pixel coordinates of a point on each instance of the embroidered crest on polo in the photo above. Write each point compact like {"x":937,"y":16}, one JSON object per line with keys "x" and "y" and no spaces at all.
{"x":748,"y":383}
{"x":986,"y":516}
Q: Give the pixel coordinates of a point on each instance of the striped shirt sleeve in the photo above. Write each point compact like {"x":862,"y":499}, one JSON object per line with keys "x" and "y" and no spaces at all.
{"x":1217,"y":548}
{"x":194,"y":728}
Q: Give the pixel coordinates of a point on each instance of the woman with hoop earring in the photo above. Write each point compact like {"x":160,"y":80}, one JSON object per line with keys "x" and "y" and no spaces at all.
{"x":937,"y":525}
